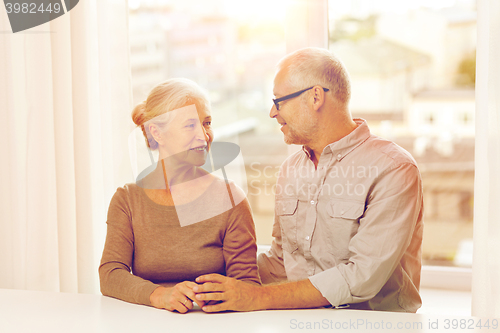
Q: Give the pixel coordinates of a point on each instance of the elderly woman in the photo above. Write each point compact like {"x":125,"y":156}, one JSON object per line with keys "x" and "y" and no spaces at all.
{"x":179,"y":221}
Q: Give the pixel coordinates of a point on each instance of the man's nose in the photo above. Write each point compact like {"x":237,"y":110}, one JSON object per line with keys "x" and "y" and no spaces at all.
{"x":274,"y":112}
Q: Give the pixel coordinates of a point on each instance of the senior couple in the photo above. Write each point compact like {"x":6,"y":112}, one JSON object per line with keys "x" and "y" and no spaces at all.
{"x":181,"y":235}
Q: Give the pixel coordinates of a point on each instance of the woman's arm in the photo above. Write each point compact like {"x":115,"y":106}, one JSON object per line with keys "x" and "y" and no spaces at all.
{"x":240,"y":248}
{"x":115,"y":270}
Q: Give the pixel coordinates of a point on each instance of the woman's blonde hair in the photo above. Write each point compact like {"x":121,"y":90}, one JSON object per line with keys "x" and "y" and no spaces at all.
{"x":167,"y":96}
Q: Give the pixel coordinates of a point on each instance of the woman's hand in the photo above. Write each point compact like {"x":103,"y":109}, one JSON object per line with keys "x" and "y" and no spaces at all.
{"x":177,"y":298}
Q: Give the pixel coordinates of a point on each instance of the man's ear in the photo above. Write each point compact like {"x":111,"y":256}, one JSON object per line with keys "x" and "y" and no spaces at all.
{"x":155,"y":132}
{"x":318,"y":95}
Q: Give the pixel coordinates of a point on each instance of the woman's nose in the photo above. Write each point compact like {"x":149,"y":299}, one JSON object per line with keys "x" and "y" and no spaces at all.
{"x":201,"y":134}
{"x":206,"y":135}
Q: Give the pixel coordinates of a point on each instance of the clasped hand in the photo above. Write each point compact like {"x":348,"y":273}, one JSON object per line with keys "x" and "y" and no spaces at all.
{"x":178,"y":298}
{"x":212,"y":293}
{"x":221,"y":293}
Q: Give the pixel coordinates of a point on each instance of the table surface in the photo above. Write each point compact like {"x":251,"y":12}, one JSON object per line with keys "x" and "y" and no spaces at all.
{"x":36,"y":311}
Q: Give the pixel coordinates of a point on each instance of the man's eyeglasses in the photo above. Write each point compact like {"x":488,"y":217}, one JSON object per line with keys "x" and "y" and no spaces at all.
{"x":295,"y":94}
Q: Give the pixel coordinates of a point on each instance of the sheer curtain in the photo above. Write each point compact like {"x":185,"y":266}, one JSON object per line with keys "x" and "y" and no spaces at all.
{"x":486,"y":269}
{"x":65,"y":101}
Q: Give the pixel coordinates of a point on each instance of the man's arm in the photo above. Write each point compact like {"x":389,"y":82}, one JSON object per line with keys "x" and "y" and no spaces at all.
{"x":385,"y":233}
{"x":240,"y":296}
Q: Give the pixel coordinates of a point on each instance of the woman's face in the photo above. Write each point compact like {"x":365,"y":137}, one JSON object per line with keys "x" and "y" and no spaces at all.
{"x":187,"y":137}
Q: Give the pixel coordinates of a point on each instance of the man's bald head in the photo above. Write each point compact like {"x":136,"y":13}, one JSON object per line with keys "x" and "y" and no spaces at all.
{"x":315,"y":66}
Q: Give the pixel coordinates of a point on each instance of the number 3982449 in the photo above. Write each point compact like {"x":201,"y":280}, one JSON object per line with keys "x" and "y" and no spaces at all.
{"x":32,"y":8}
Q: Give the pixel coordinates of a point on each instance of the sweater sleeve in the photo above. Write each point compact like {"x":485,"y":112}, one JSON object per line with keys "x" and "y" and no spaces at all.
{"x":115,"y":275}
{"x":271,"y":264}
{"x":240,"y":248}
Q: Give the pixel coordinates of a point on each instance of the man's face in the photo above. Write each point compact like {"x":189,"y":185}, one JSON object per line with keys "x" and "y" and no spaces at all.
{"x":294,"y":115}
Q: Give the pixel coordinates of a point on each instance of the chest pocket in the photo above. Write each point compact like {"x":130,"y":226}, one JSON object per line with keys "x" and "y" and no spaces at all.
{"x":286,"y":211}
{"x":343,"y":224}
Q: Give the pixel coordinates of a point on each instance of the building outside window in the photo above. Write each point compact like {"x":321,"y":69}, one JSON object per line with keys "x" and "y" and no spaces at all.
{"x":412,"y":66}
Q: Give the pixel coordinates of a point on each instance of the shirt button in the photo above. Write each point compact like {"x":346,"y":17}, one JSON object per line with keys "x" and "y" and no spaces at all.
{"x":307,"y":237}
{"x":284,"y":208}
{"x":341,"y":212}
{"x":312,"y":202}
{"x":339,"y":155}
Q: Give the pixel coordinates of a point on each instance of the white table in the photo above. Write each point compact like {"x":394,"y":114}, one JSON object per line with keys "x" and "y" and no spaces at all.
{"x":37,"y":312}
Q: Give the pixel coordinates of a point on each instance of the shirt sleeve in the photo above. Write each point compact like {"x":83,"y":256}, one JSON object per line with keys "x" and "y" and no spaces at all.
{"x":240,"y":247}
{"x":384,"y":235}
{"x":115,"y":275}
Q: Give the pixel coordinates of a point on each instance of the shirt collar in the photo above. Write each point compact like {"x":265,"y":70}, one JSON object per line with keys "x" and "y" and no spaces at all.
{"x":348,"y":143}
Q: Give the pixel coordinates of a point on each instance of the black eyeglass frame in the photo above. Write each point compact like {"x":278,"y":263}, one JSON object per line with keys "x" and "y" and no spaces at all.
{"x":276,"y":101}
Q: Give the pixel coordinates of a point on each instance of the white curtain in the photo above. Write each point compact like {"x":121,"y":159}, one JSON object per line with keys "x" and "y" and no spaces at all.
{"x":486,"y":268}
{"x":65,"y":102}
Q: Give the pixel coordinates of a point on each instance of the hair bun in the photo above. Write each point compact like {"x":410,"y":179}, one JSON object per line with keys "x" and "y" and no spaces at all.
{"x":138,"y":114}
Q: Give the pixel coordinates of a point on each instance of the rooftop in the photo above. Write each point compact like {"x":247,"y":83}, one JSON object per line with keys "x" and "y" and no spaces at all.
{"x":377,"y":56}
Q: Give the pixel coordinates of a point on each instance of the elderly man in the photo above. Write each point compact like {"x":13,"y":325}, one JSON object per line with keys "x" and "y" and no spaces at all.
{"x":348,"y":216}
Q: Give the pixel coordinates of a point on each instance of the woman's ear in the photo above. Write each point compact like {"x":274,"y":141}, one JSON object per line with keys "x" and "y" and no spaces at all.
{"x":155,"y":132}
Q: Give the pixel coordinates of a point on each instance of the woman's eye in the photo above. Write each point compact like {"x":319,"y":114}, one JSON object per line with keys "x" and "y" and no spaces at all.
{"x":190,"y":126}
{"x":208,"y":123}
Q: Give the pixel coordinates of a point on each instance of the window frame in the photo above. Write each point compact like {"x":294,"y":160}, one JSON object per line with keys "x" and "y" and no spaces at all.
{"x":314,"y":22}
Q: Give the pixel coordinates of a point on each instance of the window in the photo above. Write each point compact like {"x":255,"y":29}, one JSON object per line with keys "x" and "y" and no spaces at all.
{"x":231,"y":49}
{"x":412,"y":66}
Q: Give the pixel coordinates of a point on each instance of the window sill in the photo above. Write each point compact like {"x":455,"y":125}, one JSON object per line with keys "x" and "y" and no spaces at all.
{"x":447,"y":278}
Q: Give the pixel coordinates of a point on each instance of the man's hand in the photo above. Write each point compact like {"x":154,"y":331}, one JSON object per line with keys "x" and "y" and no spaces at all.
{"x":241,"y":296}
{"x":232,"y":294}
